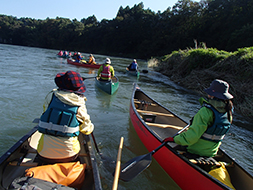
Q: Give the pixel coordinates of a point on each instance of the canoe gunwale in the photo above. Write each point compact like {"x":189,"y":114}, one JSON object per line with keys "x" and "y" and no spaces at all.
{"x":96,"y":66}
{"x":17,"y":145}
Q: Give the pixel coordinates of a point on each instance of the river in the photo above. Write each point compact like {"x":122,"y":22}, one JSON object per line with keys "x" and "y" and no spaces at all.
{"x":27,"y":75}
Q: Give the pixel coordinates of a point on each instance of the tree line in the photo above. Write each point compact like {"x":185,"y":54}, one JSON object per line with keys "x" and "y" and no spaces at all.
{"x":139,"y":32}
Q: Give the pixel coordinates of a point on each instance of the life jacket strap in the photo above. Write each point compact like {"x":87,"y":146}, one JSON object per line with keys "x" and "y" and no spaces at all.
{"x":58,"y":128}
{"x":213,"y":137}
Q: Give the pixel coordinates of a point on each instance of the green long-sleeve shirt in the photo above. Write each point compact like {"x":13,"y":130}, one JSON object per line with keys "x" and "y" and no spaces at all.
{"x":191,"y":137}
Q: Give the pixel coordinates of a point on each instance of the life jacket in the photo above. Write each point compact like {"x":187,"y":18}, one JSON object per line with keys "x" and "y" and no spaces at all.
{"x":60,"y":53}
{"x":91,"y":60}
{"x":78,"y":58}
{"x":59,"y":119}
{"x":106,"y":74}
{"x":216,"y":132}
{"x":133,"y":66}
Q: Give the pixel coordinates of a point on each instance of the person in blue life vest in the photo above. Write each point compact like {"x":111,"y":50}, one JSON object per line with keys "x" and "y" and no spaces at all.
{"x":106,"y":71}
{"x":65,"y":116}
{"x":133,"y":66}
{"x":209,"y":126}
{"x":78,"y":57}
{"x":65,"y":53}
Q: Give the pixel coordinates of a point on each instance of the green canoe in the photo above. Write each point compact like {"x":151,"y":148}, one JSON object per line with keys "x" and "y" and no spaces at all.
{"x":109,"y":87}
{"x":133,"y":73}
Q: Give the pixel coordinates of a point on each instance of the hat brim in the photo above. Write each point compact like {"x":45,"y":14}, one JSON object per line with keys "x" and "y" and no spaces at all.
{"x":224,"y":96}
{"x":81,"y":90}
{"x":59,"y":81}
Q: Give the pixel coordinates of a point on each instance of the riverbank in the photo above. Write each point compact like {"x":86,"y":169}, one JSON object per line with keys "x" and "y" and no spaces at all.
{"x":195,"y":69}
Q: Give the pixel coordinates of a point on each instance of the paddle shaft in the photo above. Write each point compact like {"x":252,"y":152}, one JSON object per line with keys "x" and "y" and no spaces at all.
{"x":117,"y":170}
{"x":181,"y":130}
{"x":88,"y":78}
{"x":135,"y":166}
{"x":164,"y":143}
{"x":95,"y":143}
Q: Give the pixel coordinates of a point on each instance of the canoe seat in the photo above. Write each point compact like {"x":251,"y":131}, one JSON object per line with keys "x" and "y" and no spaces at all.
{"x":155,"y":113}
{"x":29,"y":158}
{"x":164,"y":125}
{"x":205,"y":161}
{"x":147,"y":117}
{"x":144,"y":102}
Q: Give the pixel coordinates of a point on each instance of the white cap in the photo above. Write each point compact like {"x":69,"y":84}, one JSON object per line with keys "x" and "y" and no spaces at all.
{"x":107,"y":60}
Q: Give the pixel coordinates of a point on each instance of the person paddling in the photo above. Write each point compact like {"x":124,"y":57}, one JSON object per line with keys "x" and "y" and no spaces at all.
{"x":106,"y":71}
{"x":210,"y":124}
{"x":65,"y":116}
{"x":91,"y":60}
{"x":60,"y":53}
{"x":133,"y":66}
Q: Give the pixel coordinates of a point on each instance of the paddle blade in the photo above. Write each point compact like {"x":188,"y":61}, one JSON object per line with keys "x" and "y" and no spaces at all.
{"x":135,"y":166}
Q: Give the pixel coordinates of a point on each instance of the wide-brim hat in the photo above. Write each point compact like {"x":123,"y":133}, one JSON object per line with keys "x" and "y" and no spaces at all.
{"x":107,"y":61}
{"x":219,"y":89}
{"x":70,"y":81}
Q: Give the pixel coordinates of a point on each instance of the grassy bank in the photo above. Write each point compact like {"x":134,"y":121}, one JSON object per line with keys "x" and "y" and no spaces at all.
{"x":195,"y":69}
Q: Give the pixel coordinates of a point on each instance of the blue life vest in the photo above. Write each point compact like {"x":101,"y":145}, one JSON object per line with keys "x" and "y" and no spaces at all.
{"x":220,"y":126}
{"x":59,"y":119}
{"x":133,"y":66}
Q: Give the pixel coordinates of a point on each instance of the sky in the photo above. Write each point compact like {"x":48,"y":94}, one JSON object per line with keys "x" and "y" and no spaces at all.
{"x":76,"y":9}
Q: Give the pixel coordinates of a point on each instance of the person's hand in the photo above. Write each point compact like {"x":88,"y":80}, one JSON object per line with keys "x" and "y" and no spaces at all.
{"x":169,"y":139}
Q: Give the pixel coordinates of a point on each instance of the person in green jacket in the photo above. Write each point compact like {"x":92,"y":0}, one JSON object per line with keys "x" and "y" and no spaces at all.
{"x":209,"y":126}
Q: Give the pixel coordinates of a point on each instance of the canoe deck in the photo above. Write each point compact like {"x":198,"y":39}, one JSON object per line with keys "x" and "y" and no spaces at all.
{"x":23,"y":156}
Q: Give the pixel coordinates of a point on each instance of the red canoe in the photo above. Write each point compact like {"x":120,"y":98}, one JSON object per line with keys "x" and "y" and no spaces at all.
{"x":153,"y":123}
{"x":72,"y":62}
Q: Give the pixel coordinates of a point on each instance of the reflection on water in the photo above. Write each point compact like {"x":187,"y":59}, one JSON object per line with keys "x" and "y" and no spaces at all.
{"x":28,"y":75}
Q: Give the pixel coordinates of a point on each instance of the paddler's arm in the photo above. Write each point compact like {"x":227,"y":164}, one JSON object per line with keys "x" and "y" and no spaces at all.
{"x":201,"y":120}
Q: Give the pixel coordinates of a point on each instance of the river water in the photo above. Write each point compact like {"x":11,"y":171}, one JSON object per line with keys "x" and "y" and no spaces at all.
{"x":27,"y":75}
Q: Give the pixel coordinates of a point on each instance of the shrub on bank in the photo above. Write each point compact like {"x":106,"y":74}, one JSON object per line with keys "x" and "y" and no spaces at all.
{"x":197,"y":68}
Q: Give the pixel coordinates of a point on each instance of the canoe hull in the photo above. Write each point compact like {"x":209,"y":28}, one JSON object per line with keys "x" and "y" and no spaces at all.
{"x":109,"y":87}
{"x":183,"y":172}
{"x":133,"y":73}
{"x":72,"y":62}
